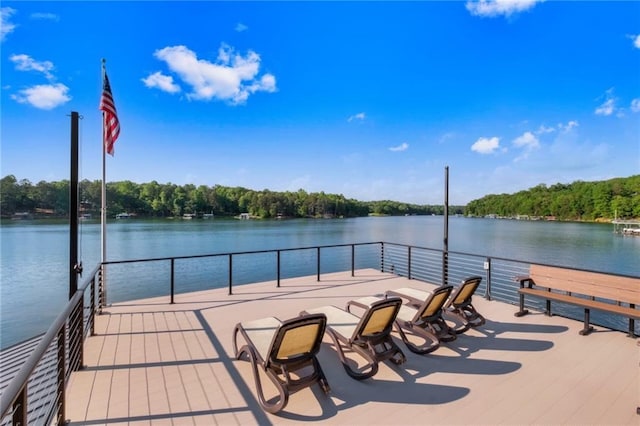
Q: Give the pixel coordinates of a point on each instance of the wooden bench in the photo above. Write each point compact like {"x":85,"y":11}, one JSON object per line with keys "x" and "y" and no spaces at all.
{"x":614,"y":294}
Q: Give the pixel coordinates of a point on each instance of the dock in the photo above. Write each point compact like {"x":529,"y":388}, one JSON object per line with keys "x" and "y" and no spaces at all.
{"x":151,"y":362}
{"x":626,"y":227}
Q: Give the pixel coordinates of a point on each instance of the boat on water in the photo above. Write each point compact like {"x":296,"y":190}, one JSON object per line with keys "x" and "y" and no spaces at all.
{"x":124,"y":216}
{"x":189,"y":216}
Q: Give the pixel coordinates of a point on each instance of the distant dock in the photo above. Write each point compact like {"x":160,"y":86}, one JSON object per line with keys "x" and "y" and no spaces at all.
{"x":626,"y":227}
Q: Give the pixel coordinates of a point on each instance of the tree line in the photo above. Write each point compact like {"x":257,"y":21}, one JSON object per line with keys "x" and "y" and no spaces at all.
{"x":587,"y":201}
{"x":154,"y":199}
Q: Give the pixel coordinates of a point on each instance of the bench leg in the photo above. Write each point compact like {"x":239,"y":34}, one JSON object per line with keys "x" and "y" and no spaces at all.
{"x":548,"y":312}
{"x":587,"y":328}
{"x":632,"y":329}
{"x":522,"y":310}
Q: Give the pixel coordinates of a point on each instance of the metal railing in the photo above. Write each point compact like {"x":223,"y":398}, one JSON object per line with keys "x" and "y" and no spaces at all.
{"x":36,"y":394}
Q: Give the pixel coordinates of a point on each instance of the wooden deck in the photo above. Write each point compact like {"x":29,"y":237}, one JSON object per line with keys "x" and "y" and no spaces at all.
{"x":153,"y":363}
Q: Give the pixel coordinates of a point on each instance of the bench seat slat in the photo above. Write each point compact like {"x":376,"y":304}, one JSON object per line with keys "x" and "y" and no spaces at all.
{"x":586,"y":303}
{"x":616,"y":288}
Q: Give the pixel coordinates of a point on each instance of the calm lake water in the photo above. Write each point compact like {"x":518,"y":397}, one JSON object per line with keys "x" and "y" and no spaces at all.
{"x":34,"y":256}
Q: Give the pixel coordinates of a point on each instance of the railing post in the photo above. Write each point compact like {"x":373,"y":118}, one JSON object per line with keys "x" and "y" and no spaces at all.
{"x":381,"y":257}
{"x":76,"y":335}
{"x":487,"y":267}
{"x":173,"y":278}
{"x":230,"y":273}
{"x":353,"y":260}
{"x":318,"y":264}
{"x":20,"y":408}
{"x":278,"y":267}
{"x":61,"y":377}
{"x":92,"y":306}
{"x":100,"y":288}
{"x":409,"y":262}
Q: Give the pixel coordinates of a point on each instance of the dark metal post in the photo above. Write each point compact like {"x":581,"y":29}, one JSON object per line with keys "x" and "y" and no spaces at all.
{"x":173,"y":279}
{"x":60,"y":391}
{"x":92,"y":304}
{"x":278,"y":267}
{"x":20,"y":407}
{"x":487,"y":267}
{"x":73,"y":208}
{"x":353,"y":260}
{"x":230,"y":274}
{"x":409,"y":262}
{"x":318,"y":265}
{"x":445,"y":251}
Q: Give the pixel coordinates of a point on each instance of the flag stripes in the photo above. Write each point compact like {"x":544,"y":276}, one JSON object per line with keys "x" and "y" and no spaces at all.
{"x":111,"y":124}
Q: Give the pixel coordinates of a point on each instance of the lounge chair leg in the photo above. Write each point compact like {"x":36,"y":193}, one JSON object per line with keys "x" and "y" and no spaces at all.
{"x":372,"y":365}
{"x":587,"y":328}
{"x":283,"y":395}
{"x":420,"y":350}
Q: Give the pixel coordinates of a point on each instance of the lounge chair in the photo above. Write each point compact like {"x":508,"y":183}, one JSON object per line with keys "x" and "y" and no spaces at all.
{"x":286,"y":352}
{"x":459,"y":304}
{"x":422,"y":315}
{"x":368,"y":335}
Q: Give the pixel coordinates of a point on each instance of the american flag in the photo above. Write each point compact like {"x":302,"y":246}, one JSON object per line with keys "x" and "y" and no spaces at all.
{"x":111,"y":124}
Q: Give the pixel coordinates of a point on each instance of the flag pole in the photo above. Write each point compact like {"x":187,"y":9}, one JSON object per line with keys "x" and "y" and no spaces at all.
{"x":445,"y":245}
{"x":103,"y":210}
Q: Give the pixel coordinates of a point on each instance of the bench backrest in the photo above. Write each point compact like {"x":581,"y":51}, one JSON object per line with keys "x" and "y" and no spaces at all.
{"x":612,"y":287}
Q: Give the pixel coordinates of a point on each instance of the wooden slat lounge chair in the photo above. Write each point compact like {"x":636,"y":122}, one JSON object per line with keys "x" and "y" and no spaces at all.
{"x":422,"y":315}
{"x":286,"y":351}
{"x":368,"y":335}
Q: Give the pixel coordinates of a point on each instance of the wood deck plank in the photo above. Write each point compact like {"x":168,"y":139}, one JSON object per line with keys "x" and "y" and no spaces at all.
{"x":157,"y":363}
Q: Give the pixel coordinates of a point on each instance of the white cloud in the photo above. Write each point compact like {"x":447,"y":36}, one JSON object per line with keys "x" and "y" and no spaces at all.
{"x":486,"y":145}
{"x":635,"y":38}
{"x":160,"y":81}
{"x":635,"y":105}
{"x":43,"y":96}
{"x":446,"y":137}
{"x":492,"y":8}
{"x":568,"y":127}
{"x":544,"y":129}
{"x":240,"y":27}
{"x":608,"y":107}
{"x":358,"y":116}
{"x":527,"y":140}
{"x":6,"y":26}
{"x":46,"y":16}
{"x":232,"y":77}
{"x":26,"y":63}
{"x":402,"y":147}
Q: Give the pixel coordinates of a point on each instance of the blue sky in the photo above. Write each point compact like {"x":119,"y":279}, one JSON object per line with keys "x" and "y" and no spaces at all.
{"x":366,"y":99}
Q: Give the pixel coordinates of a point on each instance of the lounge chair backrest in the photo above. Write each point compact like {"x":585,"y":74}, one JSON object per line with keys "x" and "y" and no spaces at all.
{"x":379,"y":317}
{"x":435,"y":302}
{"x":466,"y":290}
{"x":298,"y":338}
